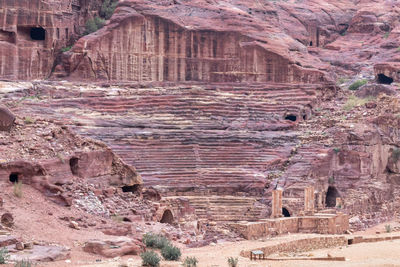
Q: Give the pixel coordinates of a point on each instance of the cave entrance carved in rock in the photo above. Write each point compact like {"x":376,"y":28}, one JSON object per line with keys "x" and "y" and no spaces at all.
{"x":130,"y":188}
{"x":291,"y":117}
{"x":14,"y":177}
{"x":331,"y":196}
{"x":383,"y":79}
{"x":167,"y":217}
{"x":285,"y":212}
{"x":73,"y":163}
{"x":38,"y":34}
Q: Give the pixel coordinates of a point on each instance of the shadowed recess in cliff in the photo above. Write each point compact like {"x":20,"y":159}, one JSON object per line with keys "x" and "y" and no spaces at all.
{"x":383,"y":79}
{"x":167,"y":217}
{"x":331,"y":196}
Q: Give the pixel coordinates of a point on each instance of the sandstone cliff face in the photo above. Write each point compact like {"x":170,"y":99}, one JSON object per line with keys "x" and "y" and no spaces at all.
{"x":33,"y":32}
{"x":203,"y":41}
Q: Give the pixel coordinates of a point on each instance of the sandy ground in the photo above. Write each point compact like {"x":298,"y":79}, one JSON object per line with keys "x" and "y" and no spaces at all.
{"x":386,"y":253}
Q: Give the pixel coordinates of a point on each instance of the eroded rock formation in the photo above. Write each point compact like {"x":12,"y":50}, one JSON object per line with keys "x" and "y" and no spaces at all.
{"x":32,"y":33}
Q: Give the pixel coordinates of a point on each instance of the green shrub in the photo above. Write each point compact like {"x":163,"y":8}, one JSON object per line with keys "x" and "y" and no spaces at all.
{"x":107,"y":8}
{"x":233,"y":262}
{"x":155,"y":241}
{"x":66,"y":49}
{"x":23,"y":263}
{"x":4,"y":255}
{"x":171,"y":253}
{"x":354,"y":101}
{"x":388,"y":228}
{"x":94,"y":24}
{"x":357,"y":84}
{"x":150,"y":258}
{"x":190,"y":262}
{"x":331,"y":180}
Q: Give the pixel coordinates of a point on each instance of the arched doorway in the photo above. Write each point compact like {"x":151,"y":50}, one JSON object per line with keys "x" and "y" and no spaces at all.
{"x":285,"y":212}
{"x":331,"y":196}
{"x":167,"y":217}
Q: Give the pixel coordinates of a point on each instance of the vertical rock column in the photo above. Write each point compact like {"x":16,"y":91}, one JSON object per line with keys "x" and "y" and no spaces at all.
{"x":309,"y":200}
{"x":276,"y":204}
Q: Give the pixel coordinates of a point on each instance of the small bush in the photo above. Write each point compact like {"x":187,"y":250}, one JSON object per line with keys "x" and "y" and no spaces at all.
{"x":23,"y":263}
{"x":386,"y":35}
{"x":107,"y":8}
{"x":336,"y":150}
{"x":354,"y":101}
{"x":94,"y":24}
{"x":18,"y":189}
{"x":150,"y":258}
{"x":388,"y":228}
{"x":190,"y":262}
{"x":331,"y":180}
{"x":357,"y":84}
{"x":171,"y":253}
{"x":4,"y":255}
{"x":341,"y":81}
{"x":233,"y":262}
{"x":29,"y":120}
{"x":66,"y":49}
{"x":155,"y":241}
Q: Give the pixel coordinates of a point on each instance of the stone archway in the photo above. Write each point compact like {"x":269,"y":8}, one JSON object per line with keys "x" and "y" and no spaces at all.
{"x":167,"y":217}
{"x":331,"y":196}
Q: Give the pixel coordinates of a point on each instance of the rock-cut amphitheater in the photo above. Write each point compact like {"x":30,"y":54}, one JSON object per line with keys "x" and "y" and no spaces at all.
{"x":246,"y":128}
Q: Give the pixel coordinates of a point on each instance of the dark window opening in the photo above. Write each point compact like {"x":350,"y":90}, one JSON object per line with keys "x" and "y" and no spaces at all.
{"x":126,"y":219}
{"x":38,"y":34}
{"x":167,"y":217}
{"x":291,"y":118}
{"x":58,"y":33}
{"x":331,"y":196}
{"x":382,"y":78}
{"x":14,"y":177}
{"x":350,"y":241}
{"x":130,"y":188}
{"x":304,"y":117}
{"x":311,"y":43}
{"x":73,"y":163}
{"x":285,"y":212}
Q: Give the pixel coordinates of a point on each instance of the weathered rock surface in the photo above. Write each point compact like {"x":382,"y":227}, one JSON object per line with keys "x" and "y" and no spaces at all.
{"x":6,"y":119}
{"x":32,"y":32}
{"x":40,"y":253}
{"x":113,"y":248}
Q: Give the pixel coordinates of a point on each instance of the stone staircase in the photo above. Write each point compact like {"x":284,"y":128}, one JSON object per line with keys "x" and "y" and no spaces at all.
{"x":226,"y":208}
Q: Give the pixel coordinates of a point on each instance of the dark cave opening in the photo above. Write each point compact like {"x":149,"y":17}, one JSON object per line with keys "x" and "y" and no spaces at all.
{"x":331,"y":196}
{"x":285,"y":212}
{"x":167,"y":217}
{"x":14,"y":177}
{"x":291,"y":117}
{"x":38,"y":34}
{"x":73,"y":163}
{"x":383,"y":79}
{"x":130,"y":188}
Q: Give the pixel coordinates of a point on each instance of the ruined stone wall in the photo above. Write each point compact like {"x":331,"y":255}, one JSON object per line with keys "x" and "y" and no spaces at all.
{"x":24,"y":57}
